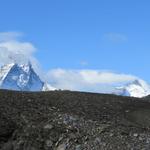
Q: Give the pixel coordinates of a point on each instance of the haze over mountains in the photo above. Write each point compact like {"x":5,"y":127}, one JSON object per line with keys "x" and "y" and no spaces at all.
{"x":22,"y":77}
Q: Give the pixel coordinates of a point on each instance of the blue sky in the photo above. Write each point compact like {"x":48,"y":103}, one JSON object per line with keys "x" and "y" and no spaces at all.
{"x":84,"y":34}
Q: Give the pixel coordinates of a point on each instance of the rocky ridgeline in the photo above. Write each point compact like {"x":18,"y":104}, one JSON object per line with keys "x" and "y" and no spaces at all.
{"x":63,"y":120}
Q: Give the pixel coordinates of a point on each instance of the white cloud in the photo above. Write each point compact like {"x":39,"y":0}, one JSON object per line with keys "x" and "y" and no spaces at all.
{"x":86,"y":80}
{"x":115,"y":37}
{"x":94,"y":76}
{"x":15,"y":51}
{"x":84,"y":63}
{"x":12,"y":49}
{"x":8,"y":36}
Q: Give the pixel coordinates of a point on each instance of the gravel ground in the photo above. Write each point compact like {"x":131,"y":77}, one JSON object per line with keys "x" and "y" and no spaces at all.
{"x":64,"y":120}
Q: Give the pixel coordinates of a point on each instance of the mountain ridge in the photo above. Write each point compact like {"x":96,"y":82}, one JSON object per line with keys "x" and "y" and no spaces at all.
{"x":22,"y":77}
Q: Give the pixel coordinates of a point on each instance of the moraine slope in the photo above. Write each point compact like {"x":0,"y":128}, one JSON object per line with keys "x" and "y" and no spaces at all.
{"x":63,"y":120}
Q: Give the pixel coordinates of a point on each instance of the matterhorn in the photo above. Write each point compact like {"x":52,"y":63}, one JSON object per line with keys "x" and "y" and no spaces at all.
{"x":21,"y":77}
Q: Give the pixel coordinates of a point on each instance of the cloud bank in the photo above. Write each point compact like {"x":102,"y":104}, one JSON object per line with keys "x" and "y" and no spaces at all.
{"x":87,"y":80}
{"x":14,"y":50}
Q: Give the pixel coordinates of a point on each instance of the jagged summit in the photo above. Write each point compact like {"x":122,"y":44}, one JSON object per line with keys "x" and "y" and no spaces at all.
{"x":137,"y":88}
{"x":20,"y":77}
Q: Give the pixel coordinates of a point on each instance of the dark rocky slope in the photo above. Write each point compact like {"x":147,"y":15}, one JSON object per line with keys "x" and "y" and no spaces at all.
{"x":63,"y":120}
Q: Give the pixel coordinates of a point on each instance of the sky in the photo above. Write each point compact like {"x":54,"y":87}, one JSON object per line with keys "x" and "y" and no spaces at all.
{"x":77,"y":35}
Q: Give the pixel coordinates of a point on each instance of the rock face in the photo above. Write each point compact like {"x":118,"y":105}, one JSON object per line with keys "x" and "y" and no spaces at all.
{"x":63,"y":120}
{"x":21,"y":78}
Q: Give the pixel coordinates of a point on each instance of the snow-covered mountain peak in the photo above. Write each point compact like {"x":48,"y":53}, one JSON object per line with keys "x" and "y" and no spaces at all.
{"x":48,"y":87}
{"x":136,"y":82}
{"x":26,"y":67}
{"x":21,"y":77}
{"x":137,"y":88}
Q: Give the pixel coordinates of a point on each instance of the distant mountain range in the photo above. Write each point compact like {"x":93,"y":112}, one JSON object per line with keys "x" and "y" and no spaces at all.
{"x":23,"y":78}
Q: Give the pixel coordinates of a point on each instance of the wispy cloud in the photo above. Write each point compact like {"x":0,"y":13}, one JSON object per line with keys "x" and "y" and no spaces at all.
{"x":115,"y":37}
{"x":84,"y":63}
{"x":10,"y":36}
{"x":86,"y":80}
{"x":16,"y":51}
{"x":13,"y":49}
